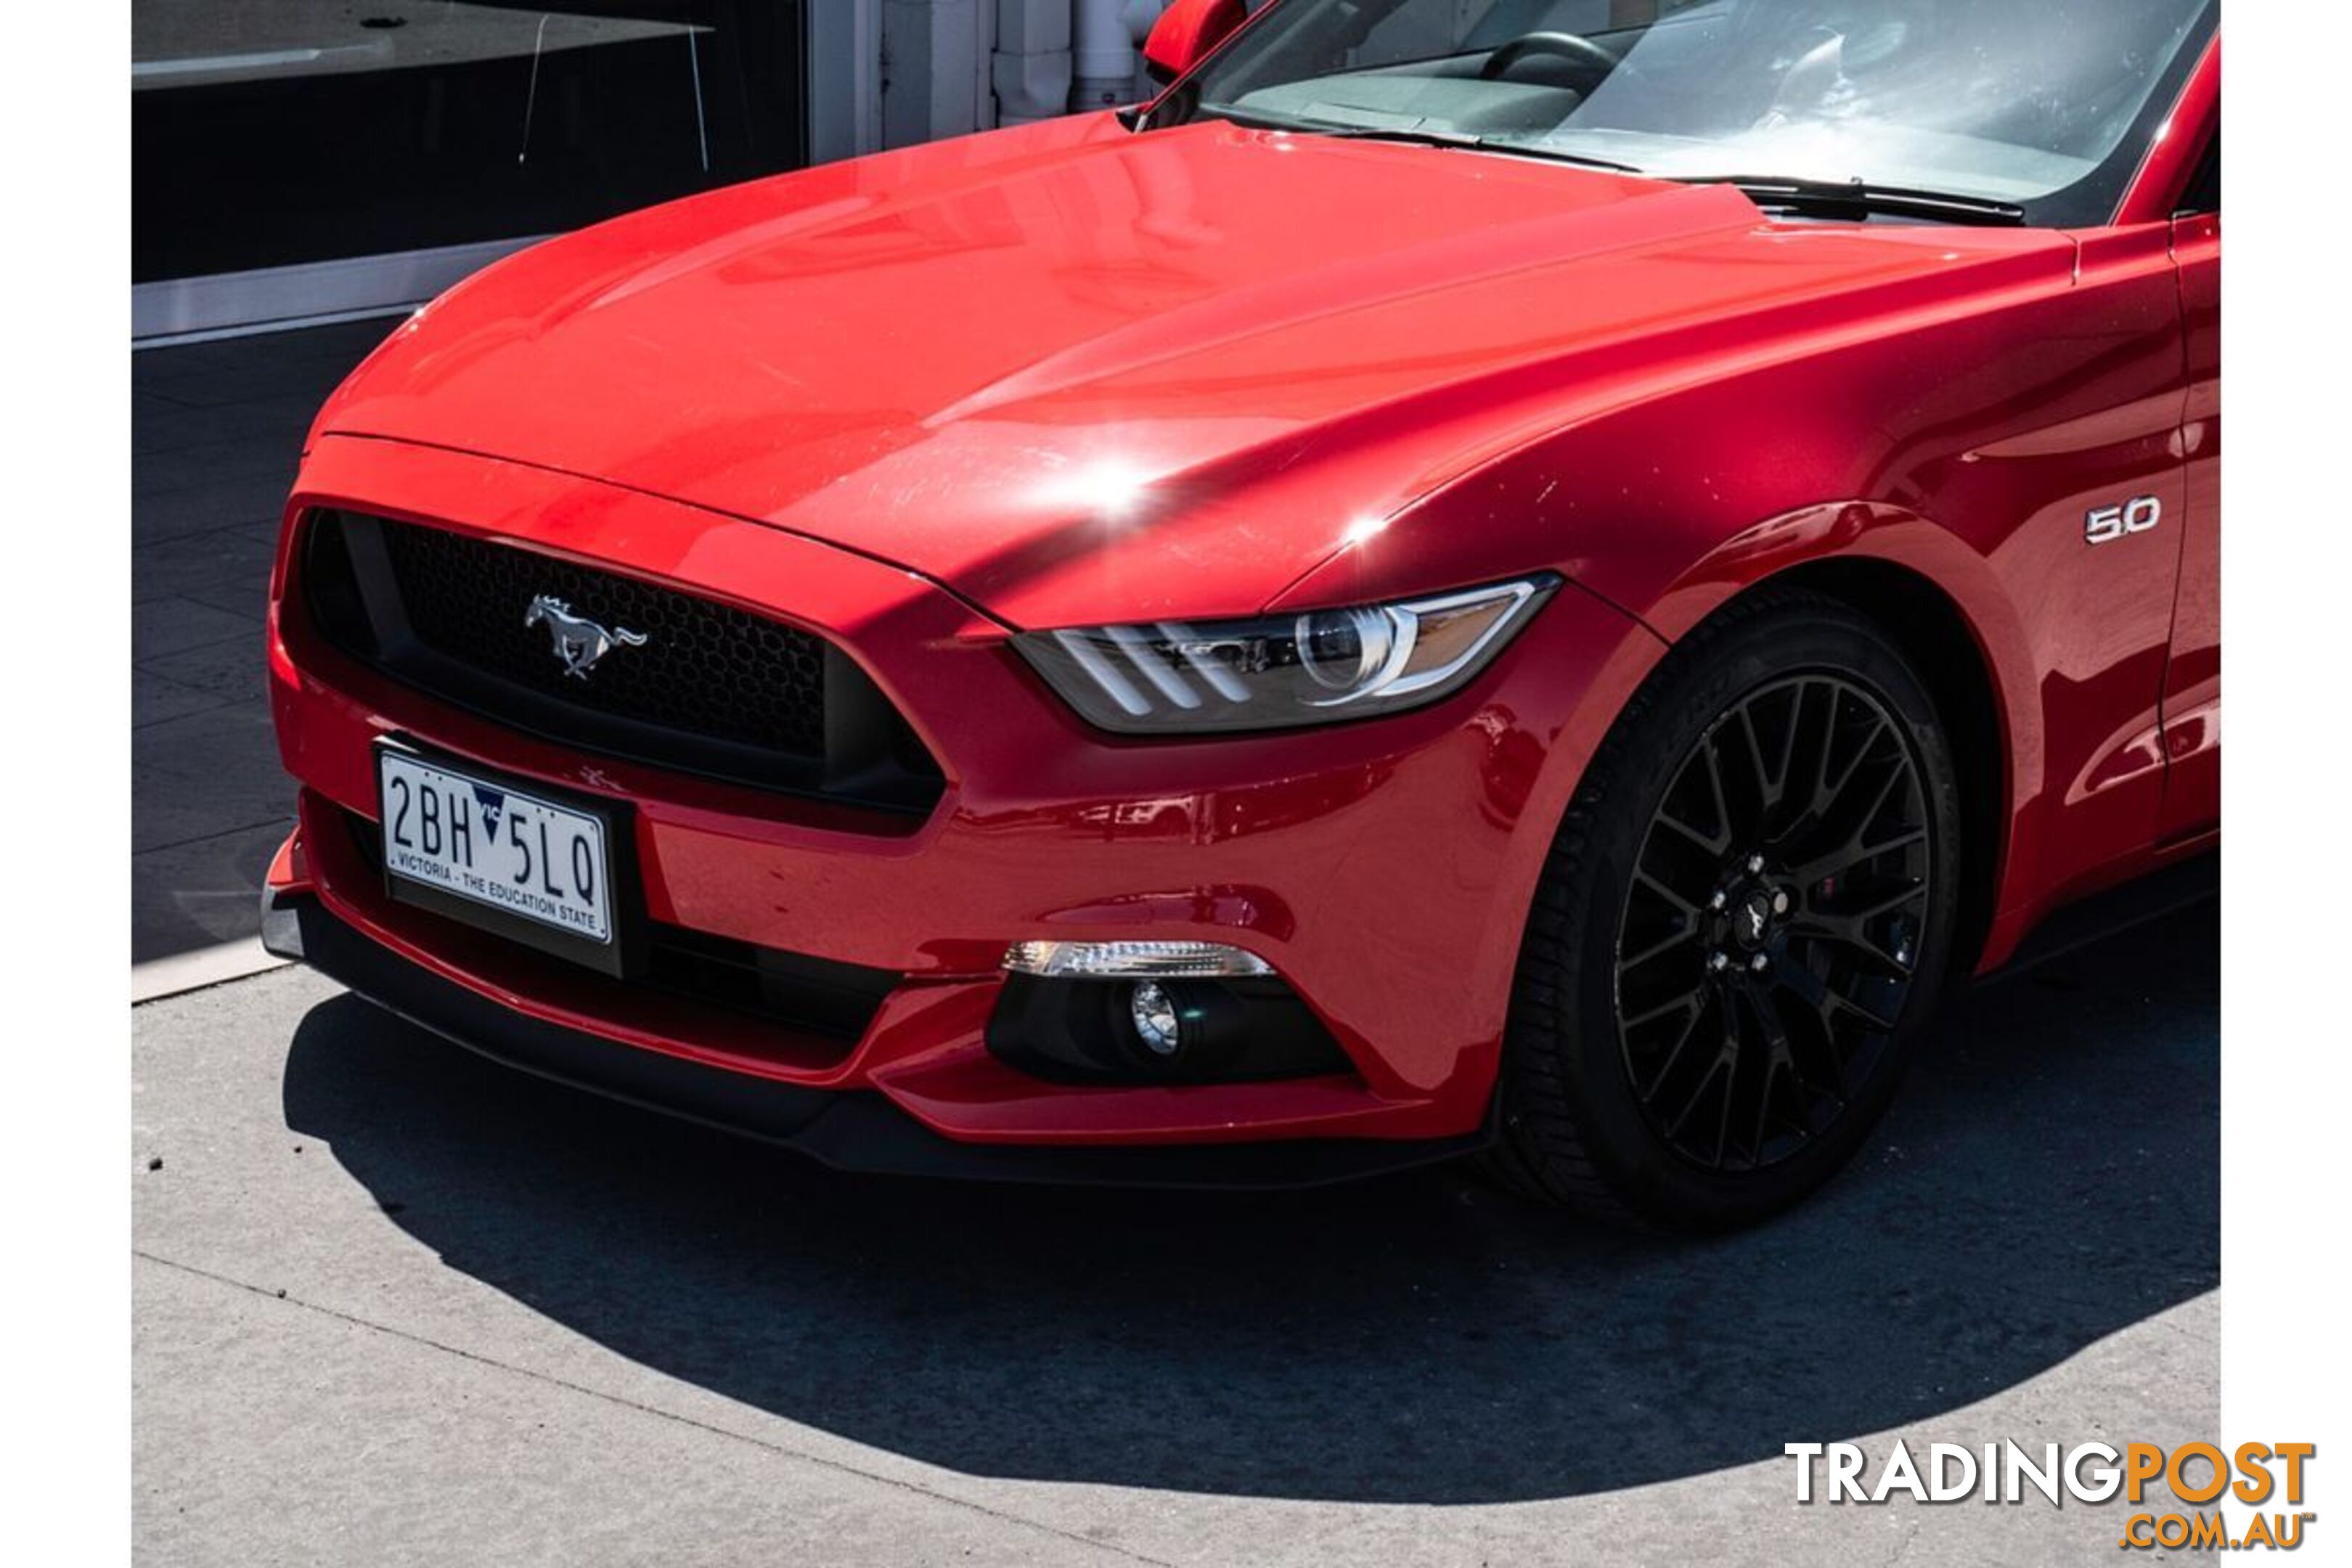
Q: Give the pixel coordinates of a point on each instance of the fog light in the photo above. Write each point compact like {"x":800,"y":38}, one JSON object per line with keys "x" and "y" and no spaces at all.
{"x":1133,"y":961}
{"x":1157,"y":1022}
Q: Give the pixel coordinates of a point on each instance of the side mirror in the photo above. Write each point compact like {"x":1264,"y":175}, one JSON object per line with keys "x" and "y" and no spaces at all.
{"x":1187,"y":32}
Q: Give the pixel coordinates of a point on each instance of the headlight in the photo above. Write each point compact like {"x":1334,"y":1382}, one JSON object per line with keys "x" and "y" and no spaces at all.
{"x":1277,"y":671}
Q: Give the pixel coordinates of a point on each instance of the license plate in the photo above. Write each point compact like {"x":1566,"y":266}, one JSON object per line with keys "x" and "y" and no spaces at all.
{"x":495,"y":847}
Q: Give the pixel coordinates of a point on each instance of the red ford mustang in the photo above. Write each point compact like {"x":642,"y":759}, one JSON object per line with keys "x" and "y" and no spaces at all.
{"x":1531,"y":577}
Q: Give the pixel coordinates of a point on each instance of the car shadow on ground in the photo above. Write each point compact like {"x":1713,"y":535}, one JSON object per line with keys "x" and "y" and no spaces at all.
{"x":2048,"y":1176}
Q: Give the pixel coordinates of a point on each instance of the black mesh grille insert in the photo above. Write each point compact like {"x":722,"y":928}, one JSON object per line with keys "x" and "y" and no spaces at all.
{"x":705,"y":668}
{"x":709,"y":689}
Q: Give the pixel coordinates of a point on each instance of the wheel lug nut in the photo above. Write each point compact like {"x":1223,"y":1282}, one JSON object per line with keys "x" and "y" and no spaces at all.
{"x":1760,"y":963}
{"x":1717,"y":962}
{"x":1721,"y":898}
{"x":1755,"y":863}
{"x":1781,"y":902}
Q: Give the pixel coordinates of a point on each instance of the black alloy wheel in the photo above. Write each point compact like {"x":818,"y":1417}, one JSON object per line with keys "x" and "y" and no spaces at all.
{"x":1771,"y":927}
{"x":1746,"y":915}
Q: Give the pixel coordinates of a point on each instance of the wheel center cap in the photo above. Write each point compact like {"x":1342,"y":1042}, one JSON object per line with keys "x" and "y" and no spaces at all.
{"x":1751,"y":920}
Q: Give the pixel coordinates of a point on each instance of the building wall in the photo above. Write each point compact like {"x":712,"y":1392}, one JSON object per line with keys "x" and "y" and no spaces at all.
{"x":295,"y":160}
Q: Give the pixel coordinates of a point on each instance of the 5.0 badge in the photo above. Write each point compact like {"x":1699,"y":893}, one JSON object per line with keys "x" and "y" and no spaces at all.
{"x":2108,"y":523}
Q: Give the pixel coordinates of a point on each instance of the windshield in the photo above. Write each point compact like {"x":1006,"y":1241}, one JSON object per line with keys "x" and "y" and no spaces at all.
{"x":2046,"y":104}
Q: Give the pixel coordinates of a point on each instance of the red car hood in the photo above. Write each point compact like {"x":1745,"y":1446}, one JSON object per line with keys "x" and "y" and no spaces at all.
{"x":1074,"y":372}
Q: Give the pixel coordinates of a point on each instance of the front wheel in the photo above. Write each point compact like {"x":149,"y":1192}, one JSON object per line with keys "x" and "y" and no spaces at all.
{"x":1746,"y":918}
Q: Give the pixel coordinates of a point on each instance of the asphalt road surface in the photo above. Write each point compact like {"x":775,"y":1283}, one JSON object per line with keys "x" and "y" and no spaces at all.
{"x":393,"y":1304}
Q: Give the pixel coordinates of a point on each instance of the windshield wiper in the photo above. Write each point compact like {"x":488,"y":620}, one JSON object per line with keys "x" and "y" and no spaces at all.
{"x":1413,"y":137}
{"x":1859,"y":198}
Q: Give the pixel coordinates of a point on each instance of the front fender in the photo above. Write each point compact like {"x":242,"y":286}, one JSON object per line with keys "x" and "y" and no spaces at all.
{"x":1863,"y":530}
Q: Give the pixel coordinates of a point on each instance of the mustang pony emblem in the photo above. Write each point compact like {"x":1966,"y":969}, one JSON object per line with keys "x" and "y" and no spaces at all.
{"x":579,"y":641}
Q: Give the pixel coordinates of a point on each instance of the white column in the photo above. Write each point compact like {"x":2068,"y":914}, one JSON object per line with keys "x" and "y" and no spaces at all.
{"x":1104,"y":36}
{"x":931,"y":80}
{"x":1031,"y":69}
{"x":844,"y":78}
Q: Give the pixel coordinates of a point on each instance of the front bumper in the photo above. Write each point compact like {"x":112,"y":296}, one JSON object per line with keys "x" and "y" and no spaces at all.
{"x":847,"y":1129}
{"x":1383,"y":868}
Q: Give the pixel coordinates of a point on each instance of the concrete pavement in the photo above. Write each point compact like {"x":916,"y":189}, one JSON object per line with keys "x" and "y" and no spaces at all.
{"x":397,"y":1305}
{"x":216,"y":430}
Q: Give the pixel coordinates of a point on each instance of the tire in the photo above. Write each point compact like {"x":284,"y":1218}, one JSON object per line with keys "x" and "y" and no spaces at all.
{"x":1813,"y":987}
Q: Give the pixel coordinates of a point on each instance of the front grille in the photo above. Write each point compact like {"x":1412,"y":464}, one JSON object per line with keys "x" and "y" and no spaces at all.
{"x":711,"y":689}
{"x":705,"y":669}
{"x":812,"y":996}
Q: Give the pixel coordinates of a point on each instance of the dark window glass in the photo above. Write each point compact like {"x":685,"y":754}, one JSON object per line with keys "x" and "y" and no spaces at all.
{"x":2204,"y":192}
{"x":271,"y":131}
